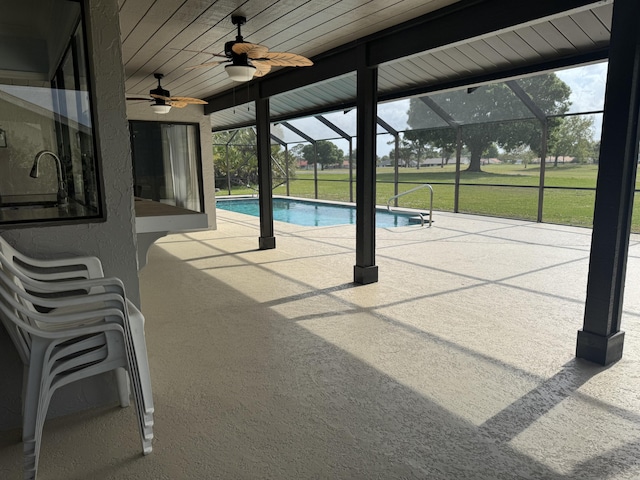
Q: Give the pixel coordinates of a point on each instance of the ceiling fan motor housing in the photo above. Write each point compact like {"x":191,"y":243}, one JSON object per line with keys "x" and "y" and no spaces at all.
{"x":160,"y":91}
{"x":228,"y":48}
{"x":237,"y":58}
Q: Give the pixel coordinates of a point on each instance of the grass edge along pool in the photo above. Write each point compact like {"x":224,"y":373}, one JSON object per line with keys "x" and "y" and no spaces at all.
{"x":311,"y":213}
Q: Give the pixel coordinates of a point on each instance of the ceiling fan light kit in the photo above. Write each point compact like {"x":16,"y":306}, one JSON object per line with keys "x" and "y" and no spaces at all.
{"x":240,"y":73}
{"x":160,"y":109}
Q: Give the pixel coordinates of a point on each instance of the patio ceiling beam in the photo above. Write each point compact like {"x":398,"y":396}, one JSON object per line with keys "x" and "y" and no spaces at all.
{"x":438,"y":110}
{"x":526,"y":99}
{"x":278,"y":140}
{"x":232,"y":137}
{"x":461,"y":21}
{"x":298,"y":132}
{"x":387,"y":127}
{"x":235,"y":126}
{"x":456,"y":23}
{"x":333,"y":127}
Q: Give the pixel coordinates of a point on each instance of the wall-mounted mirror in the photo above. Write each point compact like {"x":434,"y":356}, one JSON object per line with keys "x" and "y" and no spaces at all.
{"x":48,"y":168}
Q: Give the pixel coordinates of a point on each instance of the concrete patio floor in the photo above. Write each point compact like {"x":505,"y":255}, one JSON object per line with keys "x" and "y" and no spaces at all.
{"x":458,"y":364}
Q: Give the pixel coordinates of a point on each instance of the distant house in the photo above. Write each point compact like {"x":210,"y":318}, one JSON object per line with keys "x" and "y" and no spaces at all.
{"x":437,"y":161}
{"x":490,"y":161}
{"x":433,"y":162}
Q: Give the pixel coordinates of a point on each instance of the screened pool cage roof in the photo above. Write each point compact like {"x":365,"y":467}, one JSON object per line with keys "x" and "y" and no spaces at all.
{"x":451,"y":75}
{"x":510,"y":100}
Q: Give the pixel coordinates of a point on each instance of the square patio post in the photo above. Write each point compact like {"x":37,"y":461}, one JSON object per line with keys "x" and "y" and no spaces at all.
{"x":365,"y":270}
{"x":267,"y":239}
{"x":600,"y":339}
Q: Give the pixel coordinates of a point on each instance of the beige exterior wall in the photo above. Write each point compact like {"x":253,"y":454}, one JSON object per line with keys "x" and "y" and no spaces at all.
{"x":189,"y":114}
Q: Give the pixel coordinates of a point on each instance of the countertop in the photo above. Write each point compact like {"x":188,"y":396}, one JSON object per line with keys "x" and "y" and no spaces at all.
{"x":151,"y":216}
{"x":154,"y":216}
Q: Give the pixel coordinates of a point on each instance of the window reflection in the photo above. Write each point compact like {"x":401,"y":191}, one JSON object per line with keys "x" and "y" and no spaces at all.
{"x":45,"y":107}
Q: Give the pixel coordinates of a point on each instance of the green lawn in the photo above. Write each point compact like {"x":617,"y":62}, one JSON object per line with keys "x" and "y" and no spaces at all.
{"x":489,"y":192}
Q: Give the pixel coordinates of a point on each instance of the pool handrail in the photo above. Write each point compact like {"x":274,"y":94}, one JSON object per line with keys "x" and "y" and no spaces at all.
{"x":424,"y":185}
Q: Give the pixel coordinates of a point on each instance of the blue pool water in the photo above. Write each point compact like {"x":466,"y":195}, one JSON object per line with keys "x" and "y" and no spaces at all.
{"x":313,"y":214}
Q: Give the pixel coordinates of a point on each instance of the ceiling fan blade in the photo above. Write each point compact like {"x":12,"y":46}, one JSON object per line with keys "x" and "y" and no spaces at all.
{"x":203,"y":65}
{"x":262,"y":68}
{"x":285,"y":59}
{"x":139,"y":98}
{"x":258,"y":52}
{"x":188,"y":100}
{"x":160,"y":97}
{"x":251,"y":49}
{"x":178,"y":104}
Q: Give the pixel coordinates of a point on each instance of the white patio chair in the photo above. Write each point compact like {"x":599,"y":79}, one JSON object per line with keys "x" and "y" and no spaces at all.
{"x":53,"y":269}
{"x":52,"y":352}
{"x":94,"y":294}
{"x":62,"y":349}
{"x":76,"y":268}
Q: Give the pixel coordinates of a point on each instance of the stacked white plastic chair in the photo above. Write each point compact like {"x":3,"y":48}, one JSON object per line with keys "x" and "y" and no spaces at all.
{"x":68,"y":322}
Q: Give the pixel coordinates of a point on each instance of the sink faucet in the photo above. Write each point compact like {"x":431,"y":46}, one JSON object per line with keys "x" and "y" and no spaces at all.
{"x":62,"y":187}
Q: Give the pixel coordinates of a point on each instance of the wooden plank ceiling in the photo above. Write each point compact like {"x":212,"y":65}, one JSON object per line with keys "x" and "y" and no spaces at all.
{"x":165,"y":36}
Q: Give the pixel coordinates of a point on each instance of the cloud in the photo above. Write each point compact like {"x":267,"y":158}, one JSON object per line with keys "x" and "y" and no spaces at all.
{"x":395,"y":113}
{"x":587,"y":86}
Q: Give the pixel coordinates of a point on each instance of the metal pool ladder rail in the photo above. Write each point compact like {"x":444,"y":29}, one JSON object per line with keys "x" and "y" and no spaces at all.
{"x":425,"y":185}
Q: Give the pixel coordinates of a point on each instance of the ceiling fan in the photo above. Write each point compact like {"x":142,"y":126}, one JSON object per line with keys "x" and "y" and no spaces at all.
{"x":248,"y":60}
{"x":163,"y":101}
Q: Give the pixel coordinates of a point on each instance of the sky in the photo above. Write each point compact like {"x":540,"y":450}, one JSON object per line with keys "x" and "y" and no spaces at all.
{"x":42,"y":99}
{"x":587,"y":90}
{"x":587,"y":85}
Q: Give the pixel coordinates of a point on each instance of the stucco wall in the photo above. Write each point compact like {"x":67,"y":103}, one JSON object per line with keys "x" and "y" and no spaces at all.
{"x":189,"y":114}
{"x":113,"y":240}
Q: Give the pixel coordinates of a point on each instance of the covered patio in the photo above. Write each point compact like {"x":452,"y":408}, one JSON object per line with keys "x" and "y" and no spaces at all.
{"x":458,"y":363}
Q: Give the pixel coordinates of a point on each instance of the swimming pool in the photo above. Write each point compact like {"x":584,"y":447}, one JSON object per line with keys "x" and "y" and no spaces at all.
{"x":315,"y":214}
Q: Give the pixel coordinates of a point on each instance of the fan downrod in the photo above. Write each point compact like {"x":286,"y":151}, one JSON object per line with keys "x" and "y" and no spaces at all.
{"x":238,"y":20}
{"x":159,"y":90}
